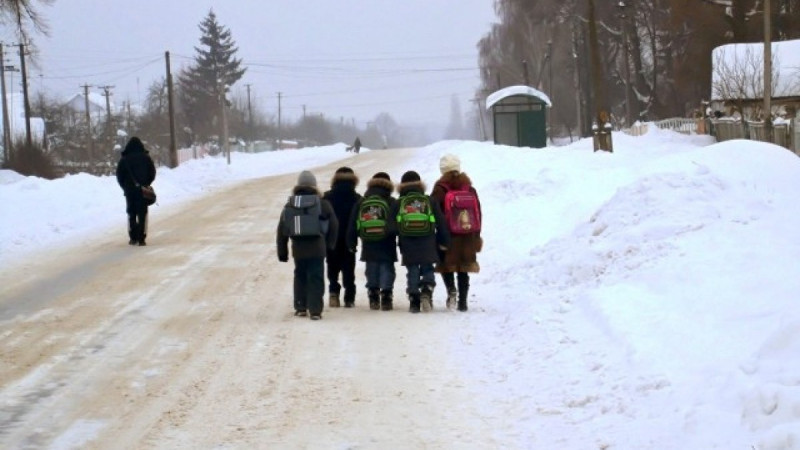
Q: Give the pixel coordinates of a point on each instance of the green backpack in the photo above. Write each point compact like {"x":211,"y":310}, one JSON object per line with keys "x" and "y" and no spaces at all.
{"x":415,"y":216}
{"x":373,"y":215}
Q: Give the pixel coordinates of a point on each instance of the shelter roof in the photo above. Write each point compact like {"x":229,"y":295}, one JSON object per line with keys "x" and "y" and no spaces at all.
{"x":511,"y":91}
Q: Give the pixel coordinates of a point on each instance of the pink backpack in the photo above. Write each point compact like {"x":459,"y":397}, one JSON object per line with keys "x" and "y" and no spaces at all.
{"x":461,"y":210}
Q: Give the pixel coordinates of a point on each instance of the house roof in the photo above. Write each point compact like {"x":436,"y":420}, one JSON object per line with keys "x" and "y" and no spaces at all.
{"x":511,"y":91}
{"x":743,"y":57}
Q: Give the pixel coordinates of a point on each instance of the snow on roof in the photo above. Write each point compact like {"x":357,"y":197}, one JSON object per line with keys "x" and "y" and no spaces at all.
{"x":516,"y":90}
{"x":785,"y":71}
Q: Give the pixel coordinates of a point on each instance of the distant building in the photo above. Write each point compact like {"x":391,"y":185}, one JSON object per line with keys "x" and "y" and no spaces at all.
{"x":737,"y":78}
{"x":97,"y":106}
{"x":15,"y":103}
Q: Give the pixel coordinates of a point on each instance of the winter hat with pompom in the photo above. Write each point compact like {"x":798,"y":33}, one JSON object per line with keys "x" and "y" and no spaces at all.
{"x":449,"y":163}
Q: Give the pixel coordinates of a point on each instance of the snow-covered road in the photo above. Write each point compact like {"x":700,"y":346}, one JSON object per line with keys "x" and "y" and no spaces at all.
{"x":191,"y":343}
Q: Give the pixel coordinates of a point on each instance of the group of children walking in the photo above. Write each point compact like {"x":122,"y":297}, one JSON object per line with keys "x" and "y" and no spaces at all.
{"x":436,"y":232}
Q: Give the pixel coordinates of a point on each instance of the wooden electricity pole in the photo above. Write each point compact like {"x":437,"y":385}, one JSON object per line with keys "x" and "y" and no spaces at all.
{"x":88,"y":122}
{"x":173,"y":146}
{"x":6,"y":122}
{"x":28,"y":137}
{"x":767,"y":72}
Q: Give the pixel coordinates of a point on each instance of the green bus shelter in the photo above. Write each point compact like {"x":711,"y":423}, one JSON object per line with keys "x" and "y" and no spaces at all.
{"x":519,"y":116}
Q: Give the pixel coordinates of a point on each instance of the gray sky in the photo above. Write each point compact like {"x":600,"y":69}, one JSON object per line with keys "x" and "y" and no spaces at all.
{"x":343,"y":58}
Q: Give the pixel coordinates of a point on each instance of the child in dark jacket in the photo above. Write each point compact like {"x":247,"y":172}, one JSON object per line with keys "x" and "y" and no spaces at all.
{"x":308,"y":251}
{"x":419,"y":249}
{"x":379,"y":254}
{"x":343,"y":197}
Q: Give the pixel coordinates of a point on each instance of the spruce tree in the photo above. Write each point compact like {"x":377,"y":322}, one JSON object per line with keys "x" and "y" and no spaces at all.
{"x":201,"y":86}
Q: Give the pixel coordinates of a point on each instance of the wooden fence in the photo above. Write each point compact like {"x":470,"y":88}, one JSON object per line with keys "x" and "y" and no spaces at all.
{"x":785,"y":134}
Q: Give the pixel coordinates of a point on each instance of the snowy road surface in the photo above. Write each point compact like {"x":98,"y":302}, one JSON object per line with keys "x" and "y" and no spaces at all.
{"x":191,"y":343}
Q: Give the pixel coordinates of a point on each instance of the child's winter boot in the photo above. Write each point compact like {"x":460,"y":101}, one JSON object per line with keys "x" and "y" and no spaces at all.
{"x":374,"y":299}
{"x":349,"y":297}
{"x":463,"y":291}
{"x":414,"y":303}
{"x":333,"y":299}
{"x":386,"y":300}
{"x":426,"y":298}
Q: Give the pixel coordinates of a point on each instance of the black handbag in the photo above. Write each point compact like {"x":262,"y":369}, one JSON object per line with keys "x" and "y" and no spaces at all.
{"x":148,"y":193}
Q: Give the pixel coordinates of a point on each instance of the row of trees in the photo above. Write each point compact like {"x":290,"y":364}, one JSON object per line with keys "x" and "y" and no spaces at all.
{"x":655,"y":55}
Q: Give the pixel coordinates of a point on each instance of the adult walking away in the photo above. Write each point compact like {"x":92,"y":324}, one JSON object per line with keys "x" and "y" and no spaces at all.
{"x":340,"y":260}
{"x":459,"y":201}
{"x":134,"y":170}
{"x":371,"y":221}
{"x":310,"y":223}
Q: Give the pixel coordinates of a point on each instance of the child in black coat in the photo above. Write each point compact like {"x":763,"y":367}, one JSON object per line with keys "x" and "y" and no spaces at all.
{"x":420,"y":240}
{"x":343,"y":197}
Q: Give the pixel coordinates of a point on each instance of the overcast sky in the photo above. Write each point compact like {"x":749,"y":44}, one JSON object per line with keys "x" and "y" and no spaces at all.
{"x":349,"y":59}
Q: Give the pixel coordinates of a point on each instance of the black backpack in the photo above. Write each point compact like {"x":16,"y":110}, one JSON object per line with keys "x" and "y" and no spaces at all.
{"x":302,"y":217}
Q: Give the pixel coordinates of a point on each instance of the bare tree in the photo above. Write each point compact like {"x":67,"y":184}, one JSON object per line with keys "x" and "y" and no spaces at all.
{"x":24,"y":15}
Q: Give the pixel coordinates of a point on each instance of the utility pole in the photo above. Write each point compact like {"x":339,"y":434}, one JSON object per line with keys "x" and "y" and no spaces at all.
{"x":28,"y":137}
{"x":225,"y":144}
{"x":88,"y":122}
{"x":626,"y":49}
{"x":107,"y":94}
{"x":767,"y":71}
{"x":550,"y":87}
{"x":478,"y":106}
{"x":602,"y":128}
{"x":249,"y":114}
{"x":280,"y":139}
{"x":173,"y":145}
{"x":6,"y":122}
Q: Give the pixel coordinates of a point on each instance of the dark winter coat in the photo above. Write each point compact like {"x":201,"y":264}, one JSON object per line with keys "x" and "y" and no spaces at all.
{"x":461,"y":255}
{"x":135,"y":168}
{"x":343,"y":197}
{"x":309,"y":247}
{"x":384,"y":250}
{"x":417,"y":250}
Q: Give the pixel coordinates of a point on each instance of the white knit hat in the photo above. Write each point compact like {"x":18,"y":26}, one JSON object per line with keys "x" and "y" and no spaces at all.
{"x":449,"y":163}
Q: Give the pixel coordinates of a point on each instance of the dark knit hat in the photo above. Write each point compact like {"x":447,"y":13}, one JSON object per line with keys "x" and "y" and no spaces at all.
{"x":383,"y":175}
{"x":344,"y":169}
{"x":307,"y":178}
{"x":409,"y":177}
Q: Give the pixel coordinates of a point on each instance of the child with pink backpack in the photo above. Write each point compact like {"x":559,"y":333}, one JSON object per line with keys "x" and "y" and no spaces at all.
{"x":459,"y":201}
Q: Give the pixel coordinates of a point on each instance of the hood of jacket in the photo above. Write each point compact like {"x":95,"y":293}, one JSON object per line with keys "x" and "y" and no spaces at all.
{"x":411,"y":186}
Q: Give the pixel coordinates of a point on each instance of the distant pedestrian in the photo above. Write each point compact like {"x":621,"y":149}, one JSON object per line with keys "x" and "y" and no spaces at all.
{"x":460,"y":204}
{"x":422,"y":233}
{"x":357,"y":145}
{"x":340,"y":260}
{"x":310,"y":223}
{"x":372,"y":223}
{"x":134,"y":170}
